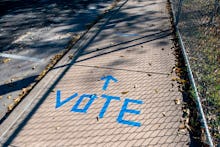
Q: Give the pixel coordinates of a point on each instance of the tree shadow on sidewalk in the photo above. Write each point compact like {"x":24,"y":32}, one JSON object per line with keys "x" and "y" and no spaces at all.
{"x":38,"y":29}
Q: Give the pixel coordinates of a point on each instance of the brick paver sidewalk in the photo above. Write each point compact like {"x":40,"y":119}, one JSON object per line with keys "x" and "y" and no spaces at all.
{"x":118,"y":92}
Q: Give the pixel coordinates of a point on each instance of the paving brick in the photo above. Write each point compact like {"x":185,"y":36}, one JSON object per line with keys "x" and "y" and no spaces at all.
{"x":142,"y":68}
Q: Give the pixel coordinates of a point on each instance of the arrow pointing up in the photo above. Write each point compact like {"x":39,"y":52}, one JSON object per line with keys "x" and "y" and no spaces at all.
{"x":107,"y":81}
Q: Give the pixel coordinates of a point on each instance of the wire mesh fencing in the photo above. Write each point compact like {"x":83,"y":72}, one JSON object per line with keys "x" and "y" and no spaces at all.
{"x":198,"y":22}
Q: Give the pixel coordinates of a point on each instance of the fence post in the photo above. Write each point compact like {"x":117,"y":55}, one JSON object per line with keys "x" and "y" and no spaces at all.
{"x":178,"y":12}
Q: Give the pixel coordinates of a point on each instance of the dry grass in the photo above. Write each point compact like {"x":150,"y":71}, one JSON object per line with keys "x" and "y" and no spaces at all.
{"x":202,"y":41}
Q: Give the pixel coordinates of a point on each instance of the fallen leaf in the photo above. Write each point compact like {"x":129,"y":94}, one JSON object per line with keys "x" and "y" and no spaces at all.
{"x":70,"y":56}
{"x":186,"y":112}
{"x":203,"y":135}
{"x":9,"y":97}
{"x":16,"y":100}
{"x":6,"y":60}
{"x":10,"y":107}
{"x":177,"y":70}
{"x":173,"y":69}
{"x":125,"y":92}
{"x":177,"y":101}
{"x":187,"y":120}
{"x":182,"y":126}
{"x":24,"y":90}
{"x":20,"y":94}
{"x":41,"y":75}
{"x":181,"y":81}
{"x":175,"y":79}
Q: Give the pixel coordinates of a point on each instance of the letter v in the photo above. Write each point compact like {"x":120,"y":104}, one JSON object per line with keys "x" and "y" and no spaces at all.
{"x":59,"y":103}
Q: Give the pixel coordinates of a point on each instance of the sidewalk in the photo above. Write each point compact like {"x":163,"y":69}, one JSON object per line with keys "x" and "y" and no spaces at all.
{"x":76,"y":105}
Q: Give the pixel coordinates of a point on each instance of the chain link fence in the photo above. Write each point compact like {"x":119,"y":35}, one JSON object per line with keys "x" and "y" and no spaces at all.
{"x":198,"y":22}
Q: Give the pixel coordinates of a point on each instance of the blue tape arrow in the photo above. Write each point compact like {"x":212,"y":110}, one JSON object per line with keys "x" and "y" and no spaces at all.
{"x":107,"y":81}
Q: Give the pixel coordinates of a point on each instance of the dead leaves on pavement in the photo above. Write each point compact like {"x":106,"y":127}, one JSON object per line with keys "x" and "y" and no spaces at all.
{"x":124,"y":92}
{"x":6,"y":60}
{"x":177,"y":101}
{"x":10,"y":107}
{"x":180,"y":81}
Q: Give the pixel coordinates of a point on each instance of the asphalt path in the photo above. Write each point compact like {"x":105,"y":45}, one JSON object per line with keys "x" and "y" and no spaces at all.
{"x":32,"y":32}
